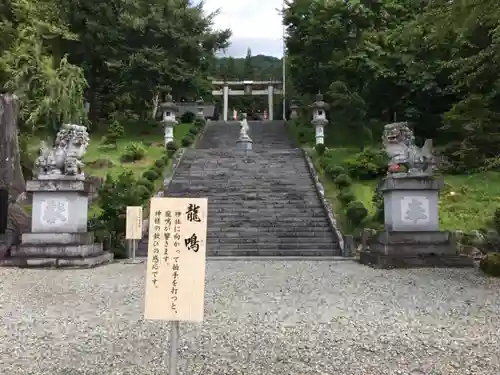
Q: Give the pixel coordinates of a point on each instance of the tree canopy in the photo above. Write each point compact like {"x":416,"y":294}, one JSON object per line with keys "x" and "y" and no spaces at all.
{"x":251,"y":67}
{"x":432,"y":63}
{"x":117,"y":55}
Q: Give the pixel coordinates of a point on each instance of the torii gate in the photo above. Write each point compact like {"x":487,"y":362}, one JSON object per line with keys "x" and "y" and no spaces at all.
{"x":225,"y":90}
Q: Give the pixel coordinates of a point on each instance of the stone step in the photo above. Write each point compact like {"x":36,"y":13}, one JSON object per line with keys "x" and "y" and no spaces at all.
{"x":281,"y":221}
{"x":270,"y":237}
{"x":259,"y":226}
{"x":260,"y":180}
{"x":274,"y":241}
{"x":272,"y":252}
{"x":291,"y":231}
{"x":265,"y":135}
{"x":306,"y":241}
{"x":219,"y":191}
{"x":232,"y":213}
{"x":231,"y":251}
{"x":262,"y":200}
{"x":230,"y":206}
{"x":304,"y":221}
{"x":276,"y":192}
{"x":260,"y":203}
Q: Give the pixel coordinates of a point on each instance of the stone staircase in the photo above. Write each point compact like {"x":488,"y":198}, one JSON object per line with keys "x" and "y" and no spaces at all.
{"x":265,"y":135}
{"x":262,"y":204}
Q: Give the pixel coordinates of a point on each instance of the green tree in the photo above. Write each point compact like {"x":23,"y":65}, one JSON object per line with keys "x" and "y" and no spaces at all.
{"x":50,"y":88}
{"x":434,"y":64}
{"x":248,"y":69}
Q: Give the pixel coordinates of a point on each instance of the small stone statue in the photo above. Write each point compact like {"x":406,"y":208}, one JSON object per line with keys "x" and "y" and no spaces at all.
{"x":65,"y":158}
{"x":244,"y":127}
{"x":406,"y":157}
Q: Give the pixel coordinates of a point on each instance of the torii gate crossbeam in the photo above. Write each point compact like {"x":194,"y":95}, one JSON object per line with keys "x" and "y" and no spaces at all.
{"x":227,"y":91}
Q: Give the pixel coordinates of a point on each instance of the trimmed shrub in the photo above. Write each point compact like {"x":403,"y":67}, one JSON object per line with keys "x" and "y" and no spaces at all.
{"x":150,"y":175}
{"x":368,"y":164}
{"x":159,"y":171}
{"x":346,"y":196}
{"x":333,"y":171}
{"x":342,"y":181}
{"x":356,"y":212}
{"x":186,"y":141}
{"x":171,"y":149}
{"x":193,"y":131}
{"x":188,"y":117}
{"x":133,"y":152}
{"x":160,"y":163}
{"x":490,"y":264}
{"x":114,"y":132}
{"x":147,"y":184}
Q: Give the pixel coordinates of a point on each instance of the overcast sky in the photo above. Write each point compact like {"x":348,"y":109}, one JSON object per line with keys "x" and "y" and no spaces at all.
{"x":254,"y":23}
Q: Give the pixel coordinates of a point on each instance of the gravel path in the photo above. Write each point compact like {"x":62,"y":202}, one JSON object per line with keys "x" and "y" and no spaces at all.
{"x":262,"y":318}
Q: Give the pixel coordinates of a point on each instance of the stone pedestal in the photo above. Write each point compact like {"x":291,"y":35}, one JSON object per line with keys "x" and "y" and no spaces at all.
{"x":411,"y":237}
{"x":319,"y":126}
{"x":169,"y":132}
{"x":244,"y":143}
{"x":411,"y":203}
{"x":389,"y":249}
{"x":59,"y":236}
{"x":320,"y":134}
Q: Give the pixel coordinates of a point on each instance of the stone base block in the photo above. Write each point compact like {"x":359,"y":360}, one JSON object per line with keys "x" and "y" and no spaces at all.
{"x":57,"y":251}
{"x":244,"y":144}
{"x":55,"y":262}
{"x":43,"y":239}
{"x":413,"y":250}
{"x":418,"y":261}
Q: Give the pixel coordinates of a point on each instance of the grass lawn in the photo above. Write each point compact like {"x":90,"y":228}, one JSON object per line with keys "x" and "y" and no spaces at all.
{"x":467,"y":203}
{"x":99,"y":161}
{"x":154,"y":149}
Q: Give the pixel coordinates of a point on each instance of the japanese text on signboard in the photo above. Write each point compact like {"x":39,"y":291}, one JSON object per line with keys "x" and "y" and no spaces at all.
{"x":176,"y":259}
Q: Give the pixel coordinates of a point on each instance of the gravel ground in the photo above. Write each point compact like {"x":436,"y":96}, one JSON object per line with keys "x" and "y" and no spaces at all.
{"x":262,"y":317}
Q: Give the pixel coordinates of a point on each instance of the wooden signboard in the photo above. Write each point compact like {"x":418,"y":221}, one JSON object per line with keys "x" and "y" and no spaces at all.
{"x":134,"y":223}
{"x":175,"y":284}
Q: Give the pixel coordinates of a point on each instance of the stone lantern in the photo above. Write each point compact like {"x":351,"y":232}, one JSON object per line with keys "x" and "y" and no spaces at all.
{"x":319,"y":120}
{"x":201,"y":109}
{"x":293,"y":111}
{"x":169,"y":111}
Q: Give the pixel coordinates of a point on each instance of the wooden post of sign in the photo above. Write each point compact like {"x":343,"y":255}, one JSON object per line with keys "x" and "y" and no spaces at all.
{"x":175,"y":284}
{"x":174,"y":346}
{"x":134,"y":231}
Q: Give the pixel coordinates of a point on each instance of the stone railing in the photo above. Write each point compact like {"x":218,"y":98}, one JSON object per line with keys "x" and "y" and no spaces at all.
{"x":326,"y":205}
{"x":169,"y":177}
